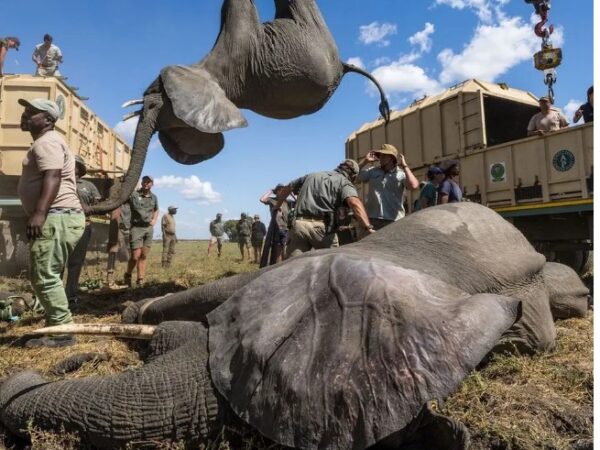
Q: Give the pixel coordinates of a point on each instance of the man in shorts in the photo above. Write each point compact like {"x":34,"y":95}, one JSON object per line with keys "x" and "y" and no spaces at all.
{"x":244,"y":231}
{"x":144,"y":212}
{"x":217,"y":230}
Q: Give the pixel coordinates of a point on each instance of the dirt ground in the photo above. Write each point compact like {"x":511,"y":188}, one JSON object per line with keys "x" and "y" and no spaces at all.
{"x":513,"y":403}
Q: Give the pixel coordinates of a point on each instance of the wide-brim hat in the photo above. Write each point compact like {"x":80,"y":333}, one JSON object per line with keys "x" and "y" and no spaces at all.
{"x":387,"y":149}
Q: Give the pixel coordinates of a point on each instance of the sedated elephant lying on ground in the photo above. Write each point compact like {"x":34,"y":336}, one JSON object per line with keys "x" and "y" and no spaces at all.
{"x":335,"y":349}
{"x":281,"y":69}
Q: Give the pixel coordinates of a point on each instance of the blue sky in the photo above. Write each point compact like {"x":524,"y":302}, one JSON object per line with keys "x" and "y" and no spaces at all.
{"x":114,"y":49}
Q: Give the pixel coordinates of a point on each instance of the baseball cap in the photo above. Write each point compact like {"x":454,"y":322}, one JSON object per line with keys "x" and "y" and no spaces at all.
{"x":279,"y":186}
{"x":41,"y":104}
{"x":16,"y":40}
{"x":81,"y":163}
{"x":147,"y":177}
{"x":256,"y":216}
{"x":433,"y":171}
{"x":172,"y":208}
{"x":219,"y":215}
{"x":351,"y":165}
{"x":543,"y":98}
{"x":388,"y":149}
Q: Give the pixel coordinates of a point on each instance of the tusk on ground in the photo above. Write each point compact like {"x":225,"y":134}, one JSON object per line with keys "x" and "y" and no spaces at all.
{"x":131,"y":115}
{"x":139,"y":101}
{"x":115,"y":329}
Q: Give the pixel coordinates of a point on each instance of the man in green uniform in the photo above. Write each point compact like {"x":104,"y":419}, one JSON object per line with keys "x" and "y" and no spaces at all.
{"x":6,"y":44}
{"x":47,"y":189}
{"x":88,"y":195}
{"x":320,"y":194}
{"x":217,"y":230}
{"x":144,"y":213}
{"x":244,"y":232}
{"x":168,"y":235}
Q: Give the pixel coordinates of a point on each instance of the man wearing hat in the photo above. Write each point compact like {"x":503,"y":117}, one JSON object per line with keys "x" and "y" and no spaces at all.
{"x":144,"y":213}
{"x":244,"y":231}
{"x":429,"y":193}
{"x":548,"y":119}
{"x":217,"y":230}
{"x":169,"y":237}
{"x":47,"y":189}
{"x":385,"y":201}
{"x":6,"y":44}
{"x":88,"y":195}
{"x":320,"y":194}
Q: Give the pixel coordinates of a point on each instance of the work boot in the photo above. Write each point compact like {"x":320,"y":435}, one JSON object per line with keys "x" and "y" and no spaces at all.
{"x":140,"y":282}
{"x":50,"y":342}
{"x":127,"y":280}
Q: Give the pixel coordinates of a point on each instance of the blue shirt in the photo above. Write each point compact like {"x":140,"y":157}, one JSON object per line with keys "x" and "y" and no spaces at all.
{"x":452,"y":190}
{"x":386,"y":192}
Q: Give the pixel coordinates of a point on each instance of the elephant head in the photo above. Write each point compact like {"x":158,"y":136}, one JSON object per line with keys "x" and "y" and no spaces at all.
{"x":280,"y":69}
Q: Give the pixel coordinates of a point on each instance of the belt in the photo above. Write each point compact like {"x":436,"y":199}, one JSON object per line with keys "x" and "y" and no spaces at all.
{"x":61,"y":210}
{"x":140,"y":224}
{"x":311,"y":218}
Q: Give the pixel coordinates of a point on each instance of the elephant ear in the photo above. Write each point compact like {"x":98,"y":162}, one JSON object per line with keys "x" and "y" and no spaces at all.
{"x":336,"y":351}
{"x":199,"y":101}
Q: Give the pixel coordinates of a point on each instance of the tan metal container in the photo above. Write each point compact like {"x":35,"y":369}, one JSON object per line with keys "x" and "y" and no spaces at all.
{"x":85,"y":133}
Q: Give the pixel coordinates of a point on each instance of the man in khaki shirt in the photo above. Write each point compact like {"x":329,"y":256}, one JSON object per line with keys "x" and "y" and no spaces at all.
{"x":169,"y":236}
{"x":546,"y":120}
{"x":47,"y":189}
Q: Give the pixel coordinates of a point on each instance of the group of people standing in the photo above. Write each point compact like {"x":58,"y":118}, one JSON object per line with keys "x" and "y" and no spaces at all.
{"x":46,"y":56}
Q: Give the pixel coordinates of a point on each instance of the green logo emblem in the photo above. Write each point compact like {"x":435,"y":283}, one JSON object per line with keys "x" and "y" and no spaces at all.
{"x":498,"y":172}
{"x":563,"y":160}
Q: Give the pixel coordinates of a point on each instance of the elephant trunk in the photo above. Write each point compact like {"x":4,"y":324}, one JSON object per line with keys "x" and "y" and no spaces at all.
{"x":169,"y":398}
{"x":120,"y":192}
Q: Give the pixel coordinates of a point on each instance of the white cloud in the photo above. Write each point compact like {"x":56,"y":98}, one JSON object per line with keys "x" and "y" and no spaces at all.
{"x":492,"y":51}
{"x":356,"y":61}
{"x":374,"y":33}
{"x":381,"y":61}
{"x":398,"y":78}
{"x":570,"y":108}
{"x":483,"y":8}
{"x":422,"y":38}
{"x":126,"y":129}
{"x":191,"y":188}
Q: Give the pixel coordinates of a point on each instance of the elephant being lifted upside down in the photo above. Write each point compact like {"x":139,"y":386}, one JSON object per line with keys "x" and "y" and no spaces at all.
{"x":334,"y":349}
{"x":280,"y":69}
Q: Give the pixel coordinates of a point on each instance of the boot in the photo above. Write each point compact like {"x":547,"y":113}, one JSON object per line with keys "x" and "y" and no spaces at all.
{"x":110,"y":279}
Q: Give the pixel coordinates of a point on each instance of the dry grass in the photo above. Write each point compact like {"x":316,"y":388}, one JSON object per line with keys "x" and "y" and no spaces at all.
{"x":513,"y":403}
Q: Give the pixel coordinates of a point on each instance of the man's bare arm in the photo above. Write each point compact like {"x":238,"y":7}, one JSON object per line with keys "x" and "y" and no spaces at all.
{"x":50,"y":187}
{"x":360,"y":212}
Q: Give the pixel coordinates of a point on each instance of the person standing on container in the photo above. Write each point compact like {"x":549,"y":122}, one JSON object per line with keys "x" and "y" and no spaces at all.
{"x":169,"y":236}
{"x":587,"y":109}
{"x":48,"y":193}
{"x":546,"y":120}
{"x":88,"y":195}
{"x":144,"y":213}
{"x":450,"y":191}
{"x":47,"y":57}
{"x":386,"y":184}
{"x":6,"y":44}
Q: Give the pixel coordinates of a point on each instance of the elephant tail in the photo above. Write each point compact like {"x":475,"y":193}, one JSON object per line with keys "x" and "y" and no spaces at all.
{"x":384,"y":107}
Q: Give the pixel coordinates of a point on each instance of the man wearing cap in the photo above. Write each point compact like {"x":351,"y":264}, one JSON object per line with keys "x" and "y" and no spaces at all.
{"x":169,"y":237}
{"x":548,"y":119}
{"x":385,"y":201}
{"x":48,"y":193}
{"x":88,"y":195}
{"x":47,"y":57}
{"x":259,"y":230}
{"x":6,"y":44}
{"x":144,"y":213}
{"x":429,"y":193}
{"x":244,"y":231}
{"x":278,"y":224}
{"x":320,"y":194}
{"x":217,"y":230}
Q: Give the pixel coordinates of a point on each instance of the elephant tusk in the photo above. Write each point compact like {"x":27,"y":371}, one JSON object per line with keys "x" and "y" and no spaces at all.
{"x":116,"y":329}
{"x":131,"y":115}
{"x":129,"y":103}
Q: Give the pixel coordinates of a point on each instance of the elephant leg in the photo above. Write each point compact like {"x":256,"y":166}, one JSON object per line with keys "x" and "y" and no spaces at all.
{"x":170,"y":398}
{"x":190,"y":305}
